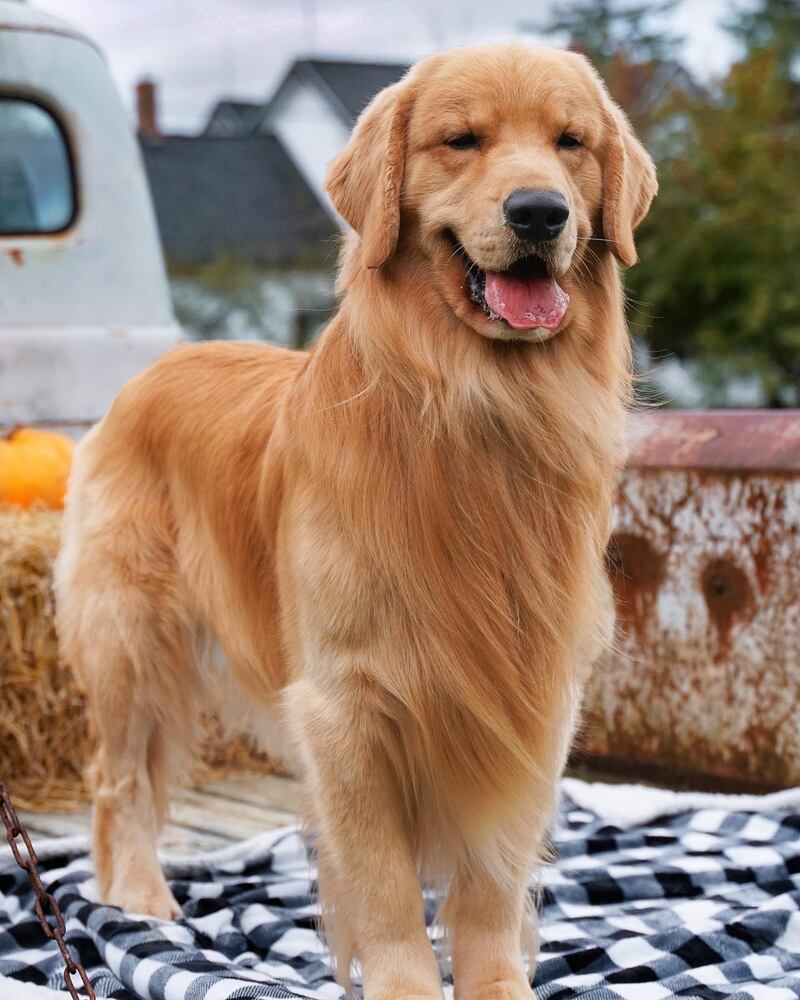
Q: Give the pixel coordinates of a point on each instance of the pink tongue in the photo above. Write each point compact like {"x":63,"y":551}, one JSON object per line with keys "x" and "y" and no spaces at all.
{"x":525,"y":303}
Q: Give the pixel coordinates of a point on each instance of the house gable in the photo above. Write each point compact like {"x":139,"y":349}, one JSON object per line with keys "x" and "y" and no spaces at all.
{"x":310,"y":132}
{"x":314,"y":109}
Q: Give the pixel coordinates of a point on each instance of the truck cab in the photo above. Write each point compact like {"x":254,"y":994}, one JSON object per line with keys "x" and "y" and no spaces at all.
{"x":84,"y":299}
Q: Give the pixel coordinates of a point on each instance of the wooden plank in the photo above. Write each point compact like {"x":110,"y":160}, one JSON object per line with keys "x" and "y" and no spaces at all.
{"x":175,"y":838}
{"x":224,"y":817}
{"x":271,"y":790}
{"x":55,"y":824}
{"x":200,"y":820}
{"x":183,"y":840}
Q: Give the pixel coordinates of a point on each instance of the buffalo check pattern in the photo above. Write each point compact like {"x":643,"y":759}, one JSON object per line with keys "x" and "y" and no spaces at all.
{"x":704,"y":903}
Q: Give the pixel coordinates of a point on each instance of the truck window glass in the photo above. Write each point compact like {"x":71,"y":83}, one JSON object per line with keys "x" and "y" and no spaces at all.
{"x":36,"y":188}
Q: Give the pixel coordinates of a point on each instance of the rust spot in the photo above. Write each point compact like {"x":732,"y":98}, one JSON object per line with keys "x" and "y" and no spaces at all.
{"x":758,"y":537}
{"x":42,"y":29}
{"x":728,"y":595}
{"x":637,"y":570}
{"x":762,"y":559}
{"x":16,"y":256}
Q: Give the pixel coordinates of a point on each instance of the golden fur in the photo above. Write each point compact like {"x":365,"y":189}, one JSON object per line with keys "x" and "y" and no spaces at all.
{"x":396,"y":539}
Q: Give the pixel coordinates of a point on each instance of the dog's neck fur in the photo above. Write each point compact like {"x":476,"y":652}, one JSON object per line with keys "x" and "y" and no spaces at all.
{"x":414,"y":348}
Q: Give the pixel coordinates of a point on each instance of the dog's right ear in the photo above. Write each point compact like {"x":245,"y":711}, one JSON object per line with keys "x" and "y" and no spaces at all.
{"x":629,"y":184}
{"x":364,"y":180}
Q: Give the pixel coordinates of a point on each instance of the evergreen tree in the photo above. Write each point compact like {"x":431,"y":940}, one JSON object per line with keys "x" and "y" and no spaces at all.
{"x":775,"y":25}
{"x":628,"y":43}
{"x":606,"y":29}
{"x":720,"y":249}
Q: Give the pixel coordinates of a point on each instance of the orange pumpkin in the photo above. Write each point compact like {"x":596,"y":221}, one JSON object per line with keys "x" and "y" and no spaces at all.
{"x":34,"y":466}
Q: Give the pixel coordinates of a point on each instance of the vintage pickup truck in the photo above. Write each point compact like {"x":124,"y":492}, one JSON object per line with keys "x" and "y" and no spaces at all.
{"x":84,"y":300}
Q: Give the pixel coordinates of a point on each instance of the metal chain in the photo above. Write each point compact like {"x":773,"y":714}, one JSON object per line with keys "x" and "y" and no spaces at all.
{"x":45,"y":903}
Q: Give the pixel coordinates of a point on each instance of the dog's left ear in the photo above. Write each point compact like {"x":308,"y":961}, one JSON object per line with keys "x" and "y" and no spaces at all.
{"x":629,"y":184}
{"x":364,"y":180}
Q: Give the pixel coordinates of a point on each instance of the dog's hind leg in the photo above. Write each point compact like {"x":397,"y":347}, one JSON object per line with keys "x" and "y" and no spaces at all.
{"x":131,"y":773}
{"x":129,"y":801}
{"x":123,"y":628}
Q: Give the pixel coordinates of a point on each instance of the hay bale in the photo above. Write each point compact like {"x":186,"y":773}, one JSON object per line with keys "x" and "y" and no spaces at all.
{"x":44,"y":741}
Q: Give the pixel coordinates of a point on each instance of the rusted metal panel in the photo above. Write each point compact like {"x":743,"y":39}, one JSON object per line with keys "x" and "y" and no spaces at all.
{"x":732,"y":440}
{"x":705,"y":563}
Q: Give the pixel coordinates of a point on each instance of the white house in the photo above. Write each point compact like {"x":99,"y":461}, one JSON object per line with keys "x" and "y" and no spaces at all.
{"x":311,"y":112}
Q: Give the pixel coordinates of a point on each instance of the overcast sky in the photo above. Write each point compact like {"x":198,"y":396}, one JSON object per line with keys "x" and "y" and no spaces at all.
{"x":199,"y":50}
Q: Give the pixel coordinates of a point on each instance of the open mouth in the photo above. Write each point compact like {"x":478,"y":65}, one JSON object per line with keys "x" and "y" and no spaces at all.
{"x":526,"y":296}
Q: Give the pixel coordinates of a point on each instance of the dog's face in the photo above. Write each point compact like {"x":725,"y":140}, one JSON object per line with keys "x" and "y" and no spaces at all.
{"x":496,"y":166}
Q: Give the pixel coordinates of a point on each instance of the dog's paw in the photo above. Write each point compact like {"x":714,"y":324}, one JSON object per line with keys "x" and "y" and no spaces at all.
{"x":406,"y":996}
{"x":151,"y":901}
{"x":511,"y":989}
{"x":403,"y":992}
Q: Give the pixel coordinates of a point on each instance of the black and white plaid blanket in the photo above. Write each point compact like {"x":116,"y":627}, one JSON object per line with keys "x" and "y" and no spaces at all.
{"x":654,"y":895}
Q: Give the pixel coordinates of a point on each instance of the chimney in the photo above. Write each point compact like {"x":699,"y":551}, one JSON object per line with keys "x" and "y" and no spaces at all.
{"x":146,"y":109}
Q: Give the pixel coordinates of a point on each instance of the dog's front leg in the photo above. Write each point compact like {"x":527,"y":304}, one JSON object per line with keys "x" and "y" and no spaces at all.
{"x":486,"y":918}
{"x":370,"y":888}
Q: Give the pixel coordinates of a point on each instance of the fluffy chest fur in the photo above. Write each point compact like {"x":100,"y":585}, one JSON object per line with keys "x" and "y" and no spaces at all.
{"x":458,"y":586}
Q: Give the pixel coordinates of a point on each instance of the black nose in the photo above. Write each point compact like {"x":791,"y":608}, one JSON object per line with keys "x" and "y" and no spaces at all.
{"x":536,"y":216}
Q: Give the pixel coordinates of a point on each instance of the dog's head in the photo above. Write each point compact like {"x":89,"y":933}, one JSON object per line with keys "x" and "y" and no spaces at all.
{"x":493,"y":168}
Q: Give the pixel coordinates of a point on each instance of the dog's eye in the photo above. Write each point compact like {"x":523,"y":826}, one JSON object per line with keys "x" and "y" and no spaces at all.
{"x":568,"y":141}
{"x":465,"y":141}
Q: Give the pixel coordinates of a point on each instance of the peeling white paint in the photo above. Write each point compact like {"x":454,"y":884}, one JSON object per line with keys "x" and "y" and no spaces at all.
{"x":708,"y":674}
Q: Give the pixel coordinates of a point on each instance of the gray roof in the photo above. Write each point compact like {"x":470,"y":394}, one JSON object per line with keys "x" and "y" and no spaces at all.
{"x":350,"y":85}
{"x":241,"y":197}
{"x":232,"y":118}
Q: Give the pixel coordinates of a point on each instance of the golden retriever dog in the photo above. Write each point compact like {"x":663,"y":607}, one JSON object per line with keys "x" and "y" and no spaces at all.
{"x":391,"y":546}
